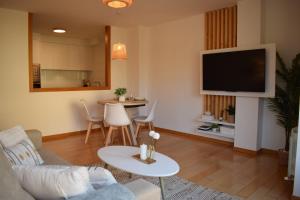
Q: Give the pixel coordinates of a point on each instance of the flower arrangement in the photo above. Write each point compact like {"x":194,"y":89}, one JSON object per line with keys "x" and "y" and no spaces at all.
{"x":151,"y":148}
{"x":154,"y":135}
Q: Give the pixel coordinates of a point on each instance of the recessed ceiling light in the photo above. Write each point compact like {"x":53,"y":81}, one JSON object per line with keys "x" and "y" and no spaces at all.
{"x":59,"y":30}
{"x":117,"y":3}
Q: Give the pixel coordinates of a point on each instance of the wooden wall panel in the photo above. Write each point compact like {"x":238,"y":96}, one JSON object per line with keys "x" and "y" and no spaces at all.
{"x":220,"y":32}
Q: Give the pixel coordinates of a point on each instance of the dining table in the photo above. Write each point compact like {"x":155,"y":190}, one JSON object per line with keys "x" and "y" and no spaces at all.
{"x":133,"y":103}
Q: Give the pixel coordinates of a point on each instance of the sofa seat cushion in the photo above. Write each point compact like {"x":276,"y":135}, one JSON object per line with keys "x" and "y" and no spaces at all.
{"x":112,"y":192}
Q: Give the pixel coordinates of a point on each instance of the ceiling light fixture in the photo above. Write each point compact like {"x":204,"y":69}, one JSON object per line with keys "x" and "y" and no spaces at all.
{"x":59,"y":30}
{"x":119,"y":52}
{"x":117,"y":3}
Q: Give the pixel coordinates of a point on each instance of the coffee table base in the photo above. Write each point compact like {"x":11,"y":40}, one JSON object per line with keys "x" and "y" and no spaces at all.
{"x":161,"y":183}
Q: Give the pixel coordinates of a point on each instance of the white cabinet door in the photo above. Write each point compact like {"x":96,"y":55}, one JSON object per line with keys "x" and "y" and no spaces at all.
{"x":47,"y":51}
{"x":60,"y":56}
{"x":81,"y":57}
{"x":65,"y":56}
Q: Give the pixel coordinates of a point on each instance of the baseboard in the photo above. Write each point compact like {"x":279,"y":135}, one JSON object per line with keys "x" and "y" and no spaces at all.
{"x":194,"y":137}
{"x":246,"y":151}
{"x":252,"y":152}
{"x":295,"y":198}
{"x":269,"y":151}
{"x":213,"y":140}
{"x":60,"y":136}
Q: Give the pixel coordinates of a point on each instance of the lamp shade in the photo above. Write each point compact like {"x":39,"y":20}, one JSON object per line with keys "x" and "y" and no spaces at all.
{"x":119,"y":52}
{"x":117,"y":3}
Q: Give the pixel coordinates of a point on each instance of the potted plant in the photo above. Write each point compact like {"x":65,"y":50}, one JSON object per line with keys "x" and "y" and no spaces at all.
{"x":120,"y":92}
{"x":231,"y":112}
{"x":215,"y":128}
{"x":286,"y":102}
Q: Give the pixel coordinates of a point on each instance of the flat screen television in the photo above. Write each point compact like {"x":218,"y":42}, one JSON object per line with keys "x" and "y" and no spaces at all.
{"x":235,"y":71}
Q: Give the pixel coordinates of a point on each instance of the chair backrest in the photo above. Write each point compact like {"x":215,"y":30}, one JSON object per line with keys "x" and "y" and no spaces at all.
{"x":86,"y":110}
{"x":116,"y":115}
{"x":150,"y":116}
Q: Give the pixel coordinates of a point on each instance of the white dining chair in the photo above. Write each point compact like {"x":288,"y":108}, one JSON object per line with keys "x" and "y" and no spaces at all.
{"x":141,"y":121}
{"x":116,"y":117}
{"x":92,"y":120}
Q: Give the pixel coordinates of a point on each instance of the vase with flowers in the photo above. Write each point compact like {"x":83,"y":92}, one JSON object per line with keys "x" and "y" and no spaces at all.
{"x":151,"y":147}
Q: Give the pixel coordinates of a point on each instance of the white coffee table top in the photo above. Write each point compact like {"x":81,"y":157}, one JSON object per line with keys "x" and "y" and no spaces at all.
{"x":121,"y":157}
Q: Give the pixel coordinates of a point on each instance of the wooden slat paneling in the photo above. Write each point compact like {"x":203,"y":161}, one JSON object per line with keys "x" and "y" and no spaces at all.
{"x":220,"y":32}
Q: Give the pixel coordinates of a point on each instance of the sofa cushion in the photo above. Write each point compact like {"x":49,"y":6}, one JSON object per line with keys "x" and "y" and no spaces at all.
{"x":13,"y":136}
{"x":46,"y":182}
{"x":10,"y":187}
{"x":23,"y":154}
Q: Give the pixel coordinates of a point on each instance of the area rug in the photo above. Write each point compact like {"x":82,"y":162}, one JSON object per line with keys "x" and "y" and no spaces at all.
{"x":176,"y":188}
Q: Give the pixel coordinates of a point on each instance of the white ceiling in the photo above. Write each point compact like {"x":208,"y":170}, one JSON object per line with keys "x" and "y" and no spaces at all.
{"x":85,"y":17}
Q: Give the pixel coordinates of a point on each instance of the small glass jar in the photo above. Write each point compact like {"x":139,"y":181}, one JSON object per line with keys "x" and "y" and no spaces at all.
{"x":150,"y":152}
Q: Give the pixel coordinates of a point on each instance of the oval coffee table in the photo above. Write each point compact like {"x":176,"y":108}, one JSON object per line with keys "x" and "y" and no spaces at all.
{"x":121,"y":158}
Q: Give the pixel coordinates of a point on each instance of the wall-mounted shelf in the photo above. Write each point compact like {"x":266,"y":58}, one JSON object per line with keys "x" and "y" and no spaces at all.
{"x":226,"y":129}
{"x":219,"y":134}
{"x":216,"y":122}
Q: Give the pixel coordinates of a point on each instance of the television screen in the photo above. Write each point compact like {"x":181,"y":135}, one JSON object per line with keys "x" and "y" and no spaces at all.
{"x":236,"y":71}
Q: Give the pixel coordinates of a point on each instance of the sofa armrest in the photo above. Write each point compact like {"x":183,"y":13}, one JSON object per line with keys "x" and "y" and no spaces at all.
{"x":36,"y":137}
{"x":144,"y":190}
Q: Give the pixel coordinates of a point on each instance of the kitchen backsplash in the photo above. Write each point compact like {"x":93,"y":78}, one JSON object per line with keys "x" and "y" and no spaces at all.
{"x":63,"y":78}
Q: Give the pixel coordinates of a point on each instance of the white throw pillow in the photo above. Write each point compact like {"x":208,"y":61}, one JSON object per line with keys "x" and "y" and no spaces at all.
{"x":23,"y":154}
{"x":13,"y":136}
{"x":98,"y":176}
{"x":43,"y":182}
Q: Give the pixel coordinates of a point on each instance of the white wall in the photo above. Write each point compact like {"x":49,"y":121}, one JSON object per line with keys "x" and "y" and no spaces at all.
{"x":280,"y":25}
{"x":51,"y":112}
{"x":133,"y":61}
{"x":98,"y":67}
{"x":173,"y":71}
{"x":247,"y":108}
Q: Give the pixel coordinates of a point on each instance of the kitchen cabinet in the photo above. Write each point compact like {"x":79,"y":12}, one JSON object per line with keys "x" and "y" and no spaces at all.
{"x":61,"y":56}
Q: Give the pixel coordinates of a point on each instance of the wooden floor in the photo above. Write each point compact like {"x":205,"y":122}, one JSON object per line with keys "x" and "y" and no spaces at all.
{"x":208,"y":164}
